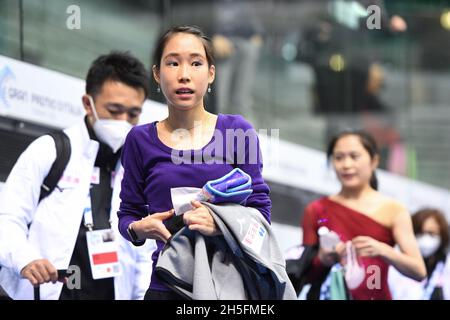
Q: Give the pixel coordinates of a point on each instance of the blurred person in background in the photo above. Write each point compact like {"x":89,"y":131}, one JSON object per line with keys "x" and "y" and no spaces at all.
{"x":237,"y":41}
{"x":342,"y":49}
{"x":432,"y":234}
{"x":367,"y":225}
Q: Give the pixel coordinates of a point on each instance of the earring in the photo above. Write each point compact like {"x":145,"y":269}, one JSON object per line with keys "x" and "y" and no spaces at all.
{"x":209,"y":88}
{"x":158,"y":89}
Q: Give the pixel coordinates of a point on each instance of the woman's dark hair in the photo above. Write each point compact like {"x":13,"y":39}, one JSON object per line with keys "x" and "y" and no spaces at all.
{"x":194,"y":30}
{"x":368,"y":143}
{"x":418,"y":219}
{"x":117,"y":66}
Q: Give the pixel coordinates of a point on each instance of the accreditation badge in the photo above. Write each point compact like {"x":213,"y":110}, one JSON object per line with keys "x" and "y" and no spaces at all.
{"x":103,"y":254}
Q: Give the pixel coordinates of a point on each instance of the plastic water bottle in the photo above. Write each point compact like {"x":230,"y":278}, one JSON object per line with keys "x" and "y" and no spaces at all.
{"x":328,"y":239}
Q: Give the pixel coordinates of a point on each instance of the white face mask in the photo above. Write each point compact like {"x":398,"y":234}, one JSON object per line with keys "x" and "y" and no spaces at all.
{"x":110,"y":131}
{"x":428,"y":244}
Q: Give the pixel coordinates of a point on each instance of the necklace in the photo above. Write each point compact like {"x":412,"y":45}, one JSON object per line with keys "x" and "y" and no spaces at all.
{"x":171,"y":128}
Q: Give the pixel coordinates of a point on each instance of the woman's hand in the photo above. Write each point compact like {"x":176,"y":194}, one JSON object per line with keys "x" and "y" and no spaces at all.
{"x":369,"y":247}
{"x":152,"y":226}
{"x":330,"y":257}
{"x":200,"y":219}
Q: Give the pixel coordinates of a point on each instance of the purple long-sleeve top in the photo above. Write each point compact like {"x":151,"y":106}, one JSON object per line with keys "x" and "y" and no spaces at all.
{"x":152,"y":169}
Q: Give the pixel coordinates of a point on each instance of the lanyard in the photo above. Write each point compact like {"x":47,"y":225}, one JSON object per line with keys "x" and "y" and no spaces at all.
{"x":87,"y":213}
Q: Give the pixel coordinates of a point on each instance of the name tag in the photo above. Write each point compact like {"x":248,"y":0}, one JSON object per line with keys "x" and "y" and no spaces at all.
{"x":254,"y":237}
{"x":103,"y":255}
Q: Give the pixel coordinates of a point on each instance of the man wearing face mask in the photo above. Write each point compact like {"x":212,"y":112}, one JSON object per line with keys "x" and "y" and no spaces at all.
{"x":432,"y":234}
{"x":75,"y":227}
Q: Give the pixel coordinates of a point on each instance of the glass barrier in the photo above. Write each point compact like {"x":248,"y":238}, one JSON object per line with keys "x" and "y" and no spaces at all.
{"x":309,"y":68}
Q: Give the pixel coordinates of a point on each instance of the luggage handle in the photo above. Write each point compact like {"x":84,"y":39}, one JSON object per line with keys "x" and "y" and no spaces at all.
{"x":37,"y":292}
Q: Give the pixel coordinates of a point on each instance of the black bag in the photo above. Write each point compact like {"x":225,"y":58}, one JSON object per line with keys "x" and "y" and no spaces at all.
{"x":63,"y":151}
{"x":297,"y":269}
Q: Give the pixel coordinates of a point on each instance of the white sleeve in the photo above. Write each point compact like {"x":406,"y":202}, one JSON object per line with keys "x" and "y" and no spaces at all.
{"x":18,"y":201}
{"x":143,"y":269}
{"x":402,"y":287}
{"x":446,"y":279}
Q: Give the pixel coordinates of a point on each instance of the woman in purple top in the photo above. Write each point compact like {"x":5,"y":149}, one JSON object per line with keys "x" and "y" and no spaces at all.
{"x":187,"y":149}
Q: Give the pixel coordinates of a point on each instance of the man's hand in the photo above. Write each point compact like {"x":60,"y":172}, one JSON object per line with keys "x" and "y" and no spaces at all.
{"x":39,"y":272}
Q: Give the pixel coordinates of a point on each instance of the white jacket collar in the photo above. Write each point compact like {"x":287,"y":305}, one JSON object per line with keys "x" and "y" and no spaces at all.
{"x":79,"y":134}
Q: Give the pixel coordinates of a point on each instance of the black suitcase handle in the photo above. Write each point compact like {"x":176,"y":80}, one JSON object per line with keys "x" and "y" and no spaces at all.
{"x":37,"y":292}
